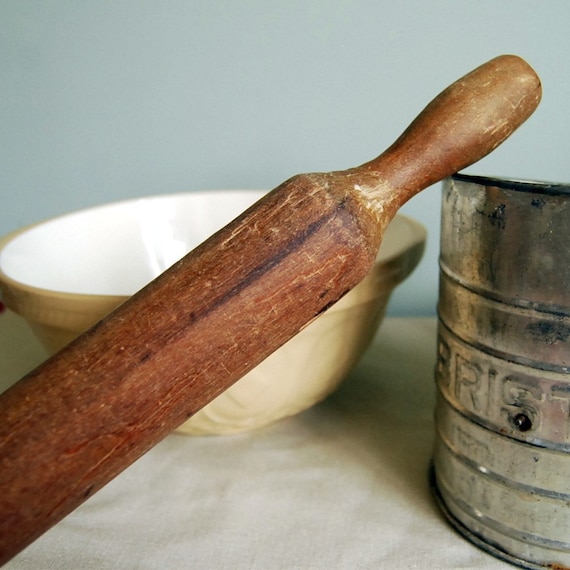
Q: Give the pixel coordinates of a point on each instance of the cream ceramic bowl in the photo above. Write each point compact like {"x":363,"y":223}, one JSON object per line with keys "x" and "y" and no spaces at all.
{"x":65,"y":274}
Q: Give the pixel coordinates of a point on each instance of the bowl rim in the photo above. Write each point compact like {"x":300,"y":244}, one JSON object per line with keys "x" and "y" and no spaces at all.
{"x":417,"y":239}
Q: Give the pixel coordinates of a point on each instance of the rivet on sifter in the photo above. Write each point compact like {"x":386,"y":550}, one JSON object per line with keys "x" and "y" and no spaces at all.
{"x":522,"y":422}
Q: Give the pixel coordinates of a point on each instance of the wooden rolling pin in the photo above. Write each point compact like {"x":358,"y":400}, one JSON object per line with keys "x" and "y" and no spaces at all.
{"x":84,"y":415}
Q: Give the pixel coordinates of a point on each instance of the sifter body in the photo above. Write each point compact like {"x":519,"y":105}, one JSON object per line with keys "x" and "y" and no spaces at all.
{"x":501,"y":470}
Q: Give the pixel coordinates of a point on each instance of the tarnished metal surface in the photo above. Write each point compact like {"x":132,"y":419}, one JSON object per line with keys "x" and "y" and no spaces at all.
{"x":502,"y":456}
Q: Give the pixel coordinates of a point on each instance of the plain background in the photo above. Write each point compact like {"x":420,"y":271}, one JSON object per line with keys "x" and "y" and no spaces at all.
{"x":106,"y":100}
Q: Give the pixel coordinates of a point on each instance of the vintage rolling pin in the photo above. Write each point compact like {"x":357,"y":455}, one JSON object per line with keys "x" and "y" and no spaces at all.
{"x":80,"y":418}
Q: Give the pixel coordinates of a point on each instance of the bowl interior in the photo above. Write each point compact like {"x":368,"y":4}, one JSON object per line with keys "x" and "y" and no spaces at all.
{"x":118,"y":248}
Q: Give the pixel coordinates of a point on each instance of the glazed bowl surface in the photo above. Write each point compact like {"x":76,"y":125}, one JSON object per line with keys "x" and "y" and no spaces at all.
{"x":63,"y":275}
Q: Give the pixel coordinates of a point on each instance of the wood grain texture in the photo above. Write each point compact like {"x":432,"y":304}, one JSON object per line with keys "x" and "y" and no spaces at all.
{"x":88,"y":412}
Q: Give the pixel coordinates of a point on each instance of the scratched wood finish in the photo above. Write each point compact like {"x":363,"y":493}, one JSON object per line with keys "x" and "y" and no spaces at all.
{"x":83,"y":416}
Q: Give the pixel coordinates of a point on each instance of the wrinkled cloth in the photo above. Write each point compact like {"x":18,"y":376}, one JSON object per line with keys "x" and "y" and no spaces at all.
{"x":341,"y":486}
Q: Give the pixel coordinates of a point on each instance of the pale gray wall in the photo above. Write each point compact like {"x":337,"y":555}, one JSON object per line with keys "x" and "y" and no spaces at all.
{"x":104,"y":100}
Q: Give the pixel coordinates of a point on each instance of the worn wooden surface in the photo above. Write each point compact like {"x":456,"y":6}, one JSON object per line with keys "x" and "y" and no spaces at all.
{"x":79,"y":419}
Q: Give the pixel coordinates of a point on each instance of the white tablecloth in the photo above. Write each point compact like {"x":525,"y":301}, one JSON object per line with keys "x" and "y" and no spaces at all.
{"x":342,"y":486}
